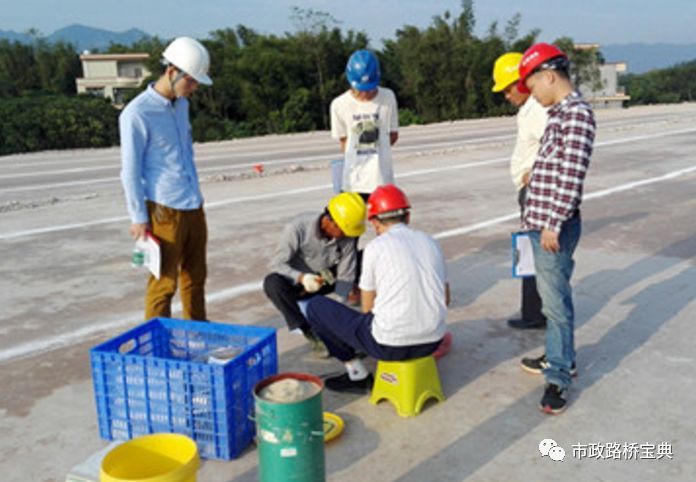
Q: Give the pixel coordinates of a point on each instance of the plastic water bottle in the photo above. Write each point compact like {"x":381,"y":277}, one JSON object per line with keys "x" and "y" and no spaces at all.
{"x":138,"y":257}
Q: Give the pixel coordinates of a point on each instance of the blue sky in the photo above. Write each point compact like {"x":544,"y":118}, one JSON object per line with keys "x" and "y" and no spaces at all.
{"x":600,"y":21}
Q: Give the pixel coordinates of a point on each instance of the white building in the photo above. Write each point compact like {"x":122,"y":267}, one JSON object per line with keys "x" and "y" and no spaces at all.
{"x":111,"y":75}
{"x":609,"y":94}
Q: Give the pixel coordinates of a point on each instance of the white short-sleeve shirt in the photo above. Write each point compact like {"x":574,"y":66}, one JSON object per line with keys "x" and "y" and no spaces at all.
{"x":406,"y":269}
{"x":366,"y":126}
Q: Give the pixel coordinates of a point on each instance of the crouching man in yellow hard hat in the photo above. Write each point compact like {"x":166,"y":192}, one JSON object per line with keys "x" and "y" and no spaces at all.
{"x":316,"y":255}
{"x":404,"y":297}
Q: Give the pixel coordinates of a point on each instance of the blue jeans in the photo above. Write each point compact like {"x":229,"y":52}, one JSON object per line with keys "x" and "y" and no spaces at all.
{"x":553,"y":272}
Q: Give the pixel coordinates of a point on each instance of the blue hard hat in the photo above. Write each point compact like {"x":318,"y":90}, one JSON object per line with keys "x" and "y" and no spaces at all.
{"x":362,"y":70}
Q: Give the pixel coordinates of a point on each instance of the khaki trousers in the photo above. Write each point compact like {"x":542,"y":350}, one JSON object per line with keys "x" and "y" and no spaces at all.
{"x":183,"y":237}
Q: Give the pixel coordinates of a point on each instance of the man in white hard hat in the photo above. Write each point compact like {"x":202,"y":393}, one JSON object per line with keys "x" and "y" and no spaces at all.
{"x":160,"y":180}
{"x":531,"y":122}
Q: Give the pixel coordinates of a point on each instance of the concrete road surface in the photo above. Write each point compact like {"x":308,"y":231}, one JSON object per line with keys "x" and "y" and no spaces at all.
{"x":67,"y":285}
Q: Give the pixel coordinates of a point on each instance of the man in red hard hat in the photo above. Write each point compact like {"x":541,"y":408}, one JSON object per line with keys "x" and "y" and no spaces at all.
{"x":404,"y":297}
{"x":552,"y":209}
{"x":531,"y":122}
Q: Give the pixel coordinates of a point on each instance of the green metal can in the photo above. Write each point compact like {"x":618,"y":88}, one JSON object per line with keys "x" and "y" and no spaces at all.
{"x":290,"y":433}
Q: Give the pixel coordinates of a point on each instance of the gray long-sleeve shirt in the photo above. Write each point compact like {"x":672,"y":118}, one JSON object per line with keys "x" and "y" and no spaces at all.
{"x":303,"y":249}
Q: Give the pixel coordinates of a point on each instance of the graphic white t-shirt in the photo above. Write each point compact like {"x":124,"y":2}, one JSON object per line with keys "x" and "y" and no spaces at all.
{"x":366,"y":126}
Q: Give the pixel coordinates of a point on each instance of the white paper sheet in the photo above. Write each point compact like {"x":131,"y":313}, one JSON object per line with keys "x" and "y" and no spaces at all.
{"x":522,"y":256}
{"x":153,"y":258}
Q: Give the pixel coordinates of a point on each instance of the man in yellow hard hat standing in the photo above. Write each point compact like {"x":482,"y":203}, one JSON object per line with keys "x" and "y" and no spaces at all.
{"x":531,"y":122}
{"x":316,"y":255}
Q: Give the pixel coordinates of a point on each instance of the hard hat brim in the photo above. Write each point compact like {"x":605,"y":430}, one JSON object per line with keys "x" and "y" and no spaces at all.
{"x":497,"y":88}
{"x":204,"y":80}
{"x":365,"y":87}
{"x":354,"y":233}
{"x":522,"y":87}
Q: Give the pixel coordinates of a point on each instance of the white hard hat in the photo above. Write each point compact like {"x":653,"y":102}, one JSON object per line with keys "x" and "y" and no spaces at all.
{"x":190,"y":56}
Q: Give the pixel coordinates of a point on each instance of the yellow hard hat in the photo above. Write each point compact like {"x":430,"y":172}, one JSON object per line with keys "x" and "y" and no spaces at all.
{"x":348,"y":212}
{"x":505,"y":70}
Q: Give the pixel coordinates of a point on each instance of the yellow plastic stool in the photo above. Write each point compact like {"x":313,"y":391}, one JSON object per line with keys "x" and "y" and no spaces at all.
{"x":407,"y":384}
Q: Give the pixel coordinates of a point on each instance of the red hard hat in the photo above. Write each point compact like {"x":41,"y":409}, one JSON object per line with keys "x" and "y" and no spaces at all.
{"x":533,"y":57}
{"x":386,"y":199}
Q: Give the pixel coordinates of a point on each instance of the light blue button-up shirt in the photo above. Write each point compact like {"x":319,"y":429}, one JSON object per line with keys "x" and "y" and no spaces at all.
{"x":157,"y":155}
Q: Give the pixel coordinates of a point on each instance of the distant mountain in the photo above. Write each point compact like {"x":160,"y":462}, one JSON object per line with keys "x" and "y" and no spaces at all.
{"x":82,"y":37}
{"x":644,"y":57}
{"x":14,"y":36}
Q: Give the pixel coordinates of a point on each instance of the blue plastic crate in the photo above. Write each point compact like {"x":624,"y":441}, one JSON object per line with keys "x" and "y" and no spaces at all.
{"x":156,"y":378}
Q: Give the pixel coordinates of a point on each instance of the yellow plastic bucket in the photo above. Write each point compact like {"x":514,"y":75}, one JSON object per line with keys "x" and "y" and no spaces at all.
{"x":161,"y":457}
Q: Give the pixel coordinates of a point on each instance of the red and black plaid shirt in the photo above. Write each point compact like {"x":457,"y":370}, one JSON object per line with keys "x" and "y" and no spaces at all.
{"x":555,"y":188}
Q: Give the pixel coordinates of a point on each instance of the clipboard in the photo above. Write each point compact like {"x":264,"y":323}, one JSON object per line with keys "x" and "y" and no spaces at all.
{"x":150,"y":245}
{"x":522,"y":256}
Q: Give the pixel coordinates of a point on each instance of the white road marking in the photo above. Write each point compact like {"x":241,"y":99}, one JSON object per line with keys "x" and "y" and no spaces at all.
{"x":52,"y":229}
{"x":209,"y":157}
{"x":73,"y":170}
{"x":237,"y":200}
{"x":277,"y":162}
{"x":73,"y":337}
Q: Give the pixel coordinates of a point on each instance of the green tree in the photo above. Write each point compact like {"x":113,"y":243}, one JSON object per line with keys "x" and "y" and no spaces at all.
{"x":32,"y":123}
{"x":444,"y":71}
{"x":674,"y":84}
{"x":37,"y":67}
{"x":584,"y":63}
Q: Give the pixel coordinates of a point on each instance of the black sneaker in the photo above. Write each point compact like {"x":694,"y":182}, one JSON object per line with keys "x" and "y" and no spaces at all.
{"x":343,"y":383}
{"x":537,"y":366}
{"x":553,"y":402}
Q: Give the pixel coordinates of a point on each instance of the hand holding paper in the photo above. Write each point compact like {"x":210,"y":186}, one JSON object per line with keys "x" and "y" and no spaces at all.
{"x":150,"y":246}
{"x":522,"y":256}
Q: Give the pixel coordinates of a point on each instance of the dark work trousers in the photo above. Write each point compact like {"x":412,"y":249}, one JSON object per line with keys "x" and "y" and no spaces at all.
{"x":531,"y":301}
{"x":285,"y":294}
{"x":344,"y":330}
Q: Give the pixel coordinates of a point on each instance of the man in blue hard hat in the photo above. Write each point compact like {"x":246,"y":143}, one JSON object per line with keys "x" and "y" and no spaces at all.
{"x":365,"y":122}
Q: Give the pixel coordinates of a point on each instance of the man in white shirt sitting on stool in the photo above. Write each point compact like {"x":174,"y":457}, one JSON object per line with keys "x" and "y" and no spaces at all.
{"x":404,"y":296}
